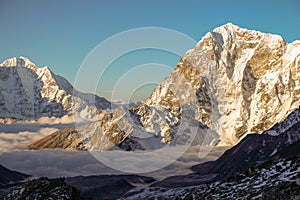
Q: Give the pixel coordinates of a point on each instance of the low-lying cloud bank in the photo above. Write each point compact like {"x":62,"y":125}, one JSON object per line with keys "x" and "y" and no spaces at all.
{"x":57,"y":163}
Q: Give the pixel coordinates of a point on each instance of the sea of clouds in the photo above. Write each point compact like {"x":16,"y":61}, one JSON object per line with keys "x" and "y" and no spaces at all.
{"x":14,"y":155}
{"x":16,"y":136}
{"x":58,"y":163}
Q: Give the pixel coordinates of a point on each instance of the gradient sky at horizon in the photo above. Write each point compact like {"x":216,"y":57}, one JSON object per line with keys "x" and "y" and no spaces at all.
{"x":60,"y":33}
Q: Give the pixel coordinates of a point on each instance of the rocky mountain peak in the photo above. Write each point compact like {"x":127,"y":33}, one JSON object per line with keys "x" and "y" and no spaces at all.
{"x":30,"y":92}
{"x":18,"y":62}
{"x":238,"y":81}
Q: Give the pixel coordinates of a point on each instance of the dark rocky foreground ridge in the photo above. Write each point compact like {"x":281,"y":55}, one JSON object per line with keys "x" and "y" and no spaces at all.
{"x":44,"y":188}
{"x":8,"y":177}
{"x":76,"y":188}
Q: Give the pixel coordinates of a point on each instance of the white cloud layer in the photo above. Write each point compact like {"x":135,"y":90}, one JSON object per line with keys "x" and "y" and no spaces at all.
{"x":56,"y":163}
{"x":16,"y":136}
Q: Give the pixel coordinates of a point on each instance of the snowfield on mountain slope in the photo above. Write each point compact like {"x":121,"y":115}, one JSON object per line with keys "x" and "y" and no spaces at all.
{"x":30,"y":92}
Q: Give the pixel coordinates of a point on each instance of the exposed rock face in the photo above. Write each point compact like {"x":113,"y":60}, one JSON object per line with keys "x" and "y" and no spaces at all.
{"x":114,"y":128}
{"x":30,"y":92}
{"x":66,"y":138}
{"x":235,"y":80}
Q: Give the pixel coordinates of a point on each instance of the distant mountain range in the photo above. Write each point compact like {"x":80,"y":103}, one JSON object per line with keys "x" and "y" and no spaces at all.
{"x":236,"y":87}
{"x":234,"y":82}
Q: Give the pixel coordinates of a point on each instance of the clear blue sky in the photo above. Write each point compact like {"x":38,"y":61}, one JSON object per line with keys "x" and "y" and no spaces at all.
{"x":61,"y":33}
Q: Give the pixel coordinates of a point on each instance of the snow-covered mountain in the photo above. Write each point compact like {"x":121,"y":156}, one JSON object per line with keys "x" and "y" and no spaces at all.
{"x":30,"y":92}
{"x":237,"y":81}
{"x":234,"y":82}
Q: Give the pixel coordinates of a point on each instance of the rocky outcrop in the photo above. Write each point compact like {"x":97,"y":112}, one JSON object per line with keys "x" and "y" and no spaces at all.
{"x":80,"y":187}
{"x":114,"y":129}
{"x":66,"y":138}
{"x":44,"y":188}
